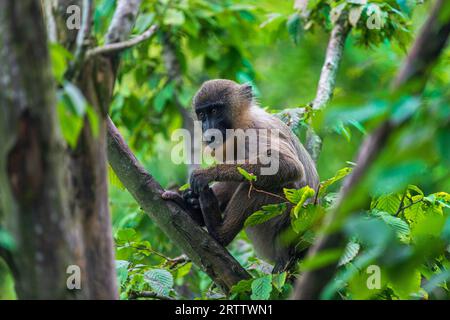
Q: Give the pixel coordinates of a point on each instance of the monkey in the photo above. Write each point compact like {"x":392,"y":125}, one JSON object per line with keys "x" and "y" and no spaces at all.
{"x":224,"y":206}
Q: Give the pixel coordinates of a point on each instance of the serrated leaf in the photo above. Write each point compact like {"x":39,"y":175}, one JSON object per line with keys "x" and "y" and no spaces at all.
{"x":122,"y":271}
{"x":242,"y":286}
{"x":261,"y":288}
{"x":388,"y":203}
{"x":160,"y":280}
{"x":297,"y":196}
{"x":307,"y":218}
{"x":341,"y":173}
{"x":400,"y":226}
{"x":350,"y":252}
{"x":278,"y":280}
{"x":265,"y":214}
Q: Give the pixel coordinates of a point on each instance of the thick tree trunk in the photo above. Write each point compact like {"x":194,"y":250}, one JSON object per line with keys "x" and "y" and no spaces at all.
{"x":35,"y":196}
{"x":87,"y":166}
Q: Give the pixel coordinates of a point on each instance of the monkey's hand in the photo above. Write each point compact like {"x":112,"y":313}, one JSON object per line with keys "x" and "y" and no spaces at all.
{"x":191,"y":198}
{"x":200,"y":180}
{"x":189,"y":201}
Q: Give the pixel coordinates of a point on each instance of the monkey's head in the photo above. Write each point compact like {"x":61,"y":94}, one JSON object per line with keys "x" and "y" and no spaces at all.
{"x":219,"y":102}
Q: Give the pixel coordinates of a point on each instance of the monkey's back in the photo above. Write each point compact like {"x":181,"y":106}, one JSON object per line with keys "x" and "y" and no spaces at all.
{"x":266,"y":236}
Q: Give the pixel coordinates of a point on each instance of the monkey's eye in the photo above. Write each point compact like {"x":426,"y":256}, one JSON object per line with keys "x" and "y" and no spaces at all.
{"x":213,"y":111}
{"x":201,"y":115}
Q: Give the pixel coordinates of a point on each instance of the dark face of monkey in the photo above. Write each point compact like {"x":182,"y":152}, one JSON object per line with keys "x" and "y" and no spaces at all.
{"x":216,"y":103}
{"x":214,"y":116}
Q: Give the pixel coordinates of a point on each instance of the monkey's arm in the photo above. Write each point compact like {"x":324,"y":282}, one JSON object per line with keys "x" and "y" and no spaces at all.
{"x":224,"y":229}
{"x":289,"y":170}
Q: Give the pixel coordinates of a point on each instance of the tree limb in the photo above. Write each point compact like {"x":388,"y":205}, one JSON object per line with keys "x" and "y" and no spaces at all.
{"x":195,"y":242}
{"x":123,"y":21}
{"x":148,"y":294}
{"x":425,"y":51}
{"x":117,"y":47}
{"x":81,"y":40}
{"x":326,"y":85}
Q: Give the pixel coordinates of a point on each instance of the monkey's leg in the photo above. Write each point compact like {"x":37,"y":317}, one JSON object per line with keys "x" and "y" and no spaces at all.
{"x":224,"y":229}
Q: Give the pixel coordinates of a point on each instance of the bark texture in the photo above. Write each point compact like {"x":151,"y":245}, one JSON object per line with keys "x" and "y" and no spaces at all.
{"x":195,"y":242}
{"x":35,"y":197}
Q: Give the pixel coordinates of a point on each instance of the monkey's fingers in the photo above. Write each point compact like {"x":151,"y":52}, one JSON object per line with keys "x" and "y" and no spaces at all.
{"x":188,"y":194}
{"x":194,"y":203}
{"x":170,"y":195}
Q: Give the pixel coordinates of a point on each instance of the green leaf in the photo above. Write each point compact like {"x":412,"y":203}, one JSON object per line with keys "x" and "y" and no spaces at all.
{"x":174,"y":17}
{"x":350,"y":252}
{"x":278,"y":280}
{"x":77,"y":99}
{"x":246,"y":175}
{"x":184,"y":270}
{"x":6,"y":240}
{"x":59,"y":57}
{"x":70,"y":124}
{"x":126,"y":235}
{"x":261,"y":288}
{"x":113,"y":179}
{"x":322,"y":259}
{"x":163,"y":97}
{"x":93,"y":120}
{"x":406,"y":284}
{"x":265,"y":214}
{"x":294,"y":27}
{"x":307,"y":218}
{"x":184,"y":187}
{"x":341,"y":173}
{"x":400,"y":226}
{"x":242,"y":286}
{"x":160,"y":280}
{"x":388,"y":203}
{"x":122,"y":271}
{"x":298,"y":197}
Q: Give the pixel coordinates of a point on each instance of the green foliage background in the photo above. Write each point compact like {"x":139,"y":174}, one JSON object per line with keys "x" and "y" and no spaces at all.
{"x":280,"y":50}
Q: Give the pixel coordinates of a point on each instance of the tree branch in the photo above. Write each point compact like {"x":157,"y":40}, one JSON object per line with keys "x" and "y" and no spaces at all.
{"x":117,"y":47}
{"x":123,"y":20}
{"x":326,"y":85}
{"x":148,"y":294}
{"x":81,"y":40}
{"x":425,"y":51}
{"x":195,"y":242}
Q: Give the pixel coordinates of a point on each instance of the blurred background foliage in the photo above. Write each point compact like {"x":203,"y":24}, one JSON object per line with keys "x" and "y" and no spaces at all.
{"x":279,"y":47}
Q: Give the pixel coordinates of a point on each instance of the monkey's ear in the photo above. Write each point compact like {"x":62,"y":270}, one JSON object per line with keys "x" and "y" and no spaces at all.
{"x":247,"y":90}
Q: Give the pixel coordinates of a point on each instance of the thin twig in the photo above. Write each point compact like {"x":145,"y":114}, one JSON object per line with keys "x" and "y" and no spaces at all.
{"x":147,"y":294}
{"x":401,"y":204}
{"x":120,"y":46}
{"x":81,"y":41}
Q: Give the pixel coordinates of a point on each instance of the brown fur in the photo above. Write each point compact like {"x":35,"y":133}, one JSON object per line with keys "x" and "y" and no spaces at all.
{"x":227,"y":205}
